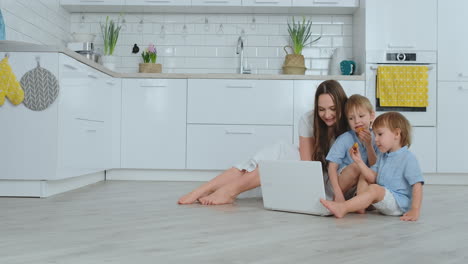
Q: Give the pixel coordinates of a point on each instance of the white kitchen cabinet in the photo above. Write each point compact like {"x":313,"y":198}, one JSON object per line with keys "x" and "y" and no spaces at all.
{"x":304,"y":93}
{"x":452,"y":41}
{"x":325,"y":3}
{"x":267,"y":102}
{"x":424,"y":147}
{"x":402,"y":25}
{"x":452,"y":127}
{"x":266,"y":3}
{"x":219,"y":147}
{"x":153,"y":123}
{"x":216,"y":2}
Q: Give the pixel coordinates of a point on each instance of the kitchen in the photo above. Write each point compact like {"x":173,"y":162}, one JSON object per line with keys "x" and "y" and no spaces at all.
{"x":196,"y":47}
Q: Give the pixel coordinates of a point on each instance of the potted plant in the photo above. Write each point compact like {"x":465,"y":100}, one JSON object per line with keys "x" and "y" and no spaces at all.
{"x":149,"y":64}
{"x":300,"y":34}
{"x":110,"y":34}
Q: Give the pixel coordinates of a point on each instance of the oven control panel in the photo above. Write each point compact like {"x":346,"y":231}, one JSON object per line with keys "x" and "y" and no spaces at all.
{"x":401,"y":56}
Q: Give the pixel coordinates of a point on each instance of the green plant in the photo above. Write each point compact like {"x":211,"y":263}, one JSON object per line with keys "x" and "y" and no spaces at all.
{"x":149,"y":54}
{"x":300,"y":34}
{"x":110,"y":33}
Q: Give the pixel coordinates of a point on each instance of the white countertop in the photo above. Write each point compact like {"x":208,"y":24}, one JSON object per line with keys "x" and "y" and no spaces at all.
{"x":16,"y":46}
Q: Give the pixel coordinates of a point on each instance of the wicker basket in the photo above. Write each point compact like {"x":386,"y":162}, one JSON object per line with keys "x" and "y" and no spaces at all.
{"x":294,"y":70}
{"x":150,"y":68}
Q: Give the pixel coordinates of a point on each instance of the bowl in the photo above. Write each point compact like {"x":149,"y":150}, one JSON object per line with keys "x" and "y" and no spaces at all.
{"x":83,"y":37}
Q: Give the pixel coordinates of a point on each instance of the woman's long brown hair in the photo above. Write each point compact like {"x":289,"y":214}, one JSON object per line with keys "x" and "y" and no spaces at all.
{"x":322,"y":139}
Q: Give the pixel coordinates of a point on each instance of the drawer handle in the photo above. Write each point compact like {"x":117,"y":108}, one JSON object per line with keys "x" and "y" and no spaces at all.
{"x":89,"y":120}
{"x":266,"y":2}
{"x":216,"y":1}
{"x":326,"y":2}
{"x":461,"y":88}
{"x":239,"y":86}
{"x":156,"y":85}
{"x":92,"y":76}
{"x":461,"y":75}
{"x":231,"y":132}
{"x":391,"y":46}
{"x":91,"y":130}
{"x":70,"y":66}
{"x":92,"y":1}
{"x":158,"y":1}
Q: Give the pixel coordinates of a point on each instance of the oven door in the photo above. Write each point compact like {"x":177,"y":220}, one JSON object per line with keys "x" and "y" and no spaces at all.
{"x":422,"y":118}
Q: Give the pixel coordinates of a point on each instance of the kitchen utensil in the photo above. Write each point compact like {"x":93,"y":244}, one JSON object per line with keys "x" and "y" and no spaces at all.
{"x":347,"y":67}
{"x":81,"y":46}
{"x":83,"y":37}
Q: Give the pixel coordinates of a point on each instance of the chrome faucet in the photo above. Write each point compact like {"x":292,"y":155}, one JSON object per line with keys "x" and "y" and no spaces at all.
{"x":240,"y":50}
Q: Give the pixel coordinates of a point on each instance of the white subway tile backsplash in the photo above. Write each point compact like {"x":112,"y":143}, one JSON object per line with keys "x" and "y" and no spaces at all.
{"x":211,"y":47}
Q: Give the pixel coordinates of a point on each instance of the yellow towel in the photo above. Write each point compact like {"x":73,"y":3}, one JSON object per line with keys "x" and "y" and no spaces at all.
{"x":402,"y":86}
{"x":9,"y":86}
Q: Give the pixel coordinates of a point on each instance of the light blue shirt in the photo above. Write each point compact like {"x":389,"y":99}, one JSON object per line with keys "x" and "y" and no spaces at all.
{"x":398,"y":171}
{"x":339,"y":152}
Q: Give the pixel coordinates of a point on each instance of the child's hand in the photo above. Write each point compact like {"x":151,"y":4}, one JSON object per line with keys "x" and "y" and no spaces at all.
{"x":411,"y":215}
{"x":365,"y":137}
{"x":354,"y":152}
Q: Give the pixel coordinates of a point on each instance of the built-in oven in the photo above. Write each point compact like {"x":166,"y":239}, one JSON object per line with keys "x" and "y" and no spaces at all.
{"x":418,"y":116}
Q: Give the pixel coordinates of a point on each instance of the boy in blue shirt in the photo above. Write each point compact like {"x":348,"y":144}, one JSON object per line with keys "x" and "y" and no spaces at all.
{"x":342,"y":171}
{"x":394,"y":184}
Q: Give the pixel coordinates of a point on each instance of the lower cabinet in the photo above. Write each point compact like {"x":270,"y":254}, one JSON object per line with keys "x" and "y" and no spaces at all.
{"x":219,"y":147}
{"x":452,"y":127}
{"x":153,"y":123}
{"x":425,"y":148}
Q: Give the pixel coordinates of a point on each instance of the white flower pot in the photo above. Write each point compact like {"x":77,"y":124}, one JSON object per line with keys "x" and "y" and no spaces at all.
{"x":110,"y":62}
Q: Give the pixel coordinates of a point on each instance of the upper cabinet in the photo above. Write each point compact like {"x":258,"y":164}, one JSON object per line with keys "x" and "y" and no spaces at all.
{"x":214,"y":6}
{"x":452,"y":55}
{"x":401,"y":25}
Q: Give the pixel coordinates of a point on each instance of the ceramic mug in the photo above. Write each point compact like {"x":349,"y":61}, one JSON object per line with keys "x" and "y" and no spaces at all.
{"x":348,"y":67}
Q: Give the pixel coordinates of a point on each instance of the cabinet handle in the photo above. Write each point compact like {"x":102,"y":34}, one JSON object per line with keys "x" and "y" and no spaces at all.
{"x":158,"y":1}
{"x":239,"y":86}
{"x":70,"y":67}
{"x":391,"y":46}
{"x":461,"y":75}
{"x":232,"y":132}
{"x":110,"y":83}
{"x":92,"y":1}
{"x":216,"y":1}
{"x":326,"y":2}
{"x":89,"y":120}
{"x":156,"y":85}
{"x":92,"y":76}
{"x":461,"y":88}
{"x":91,"y":130}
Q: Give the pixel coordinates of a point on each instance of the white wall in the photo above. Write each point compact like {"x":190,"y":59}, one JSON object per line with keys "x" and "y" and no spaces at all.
{"x":204,"y":48}
{"x":36,"y":21}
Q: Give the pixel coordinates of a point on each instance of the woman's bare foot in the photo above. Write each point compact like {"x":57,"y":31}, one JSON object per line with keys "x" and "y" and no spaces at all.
{"x":335,"y":208}
{"x":217,"y":198}
{"x":192,"y":197}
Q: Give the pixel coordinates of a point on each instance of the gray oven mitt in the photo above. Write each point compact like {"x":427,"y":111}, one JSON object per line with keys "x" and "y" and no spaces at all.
{"x":40,"y":88}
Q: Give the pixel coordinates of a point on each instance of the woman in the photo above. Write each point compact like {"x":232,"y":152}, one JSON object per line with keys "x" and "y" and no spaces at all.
{"x":317,"y":132}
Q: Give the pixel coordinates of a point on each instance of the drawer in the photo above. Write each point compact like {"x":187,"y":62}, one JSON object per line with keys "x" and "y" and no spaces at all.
{"x":266,"y":2}
{"x":219,"y":147}
{"x":264,"y":102}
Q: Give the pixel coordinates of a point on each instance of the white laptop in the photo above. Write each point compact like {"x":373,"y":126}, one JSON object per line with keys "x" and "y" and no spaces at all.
{"x":292,"y":186}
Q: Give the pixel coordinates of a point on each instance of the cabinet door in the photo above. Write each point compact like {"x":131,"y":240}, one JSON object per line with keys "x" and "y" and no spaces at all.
{"x":453,"y":43}
{"x":326,"y":3}
{"x":158,"y":2}
{"x":266,"y":102}
{"x":216,"y":2}
{"x":116,"y":94}
{"x":266,"y":2}
{"x":452,"y":127}
{"x":401,"y":25}
{"x":424,"y":147}
{"x":219,"y":147}
{"x":153,"y":123}
{"x":304,"y":92}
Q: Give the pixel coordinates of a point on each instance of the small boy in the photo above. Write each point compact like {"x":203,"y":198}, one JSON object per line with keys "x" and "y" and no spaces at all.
{"x":394,"y":184}
{"x":360,"y":114}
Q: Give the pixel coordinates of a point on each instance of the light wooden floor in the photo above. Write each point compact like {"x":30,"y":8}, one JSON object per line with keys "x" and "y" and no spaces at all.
{"x":139,"y":222}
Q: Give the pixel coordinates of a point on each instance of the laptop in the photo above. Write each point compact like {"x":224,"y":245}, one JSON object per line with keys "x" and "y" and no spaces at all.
{"x":292,"y":186}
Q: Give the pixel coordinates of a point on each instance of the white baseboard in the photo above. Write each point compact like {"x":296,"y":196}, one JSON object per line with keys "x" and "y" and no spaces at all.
{"x":46,"y":188}
{"x":161,"y":175}
{"x":446,"y":178}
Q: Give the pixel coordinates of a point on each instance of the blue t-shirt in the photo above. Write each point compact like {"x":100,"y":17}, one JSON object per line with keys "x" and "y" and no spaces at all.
{"x":339,"y":152}
{"x":398,"y":171}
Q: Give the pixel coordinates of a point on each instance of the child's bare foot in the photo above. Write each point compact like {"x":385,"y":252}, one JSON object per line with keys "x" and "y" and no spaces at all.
{"x":192,"y":197}
{"x":217,"y":198}
{"x":335,"y":208}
